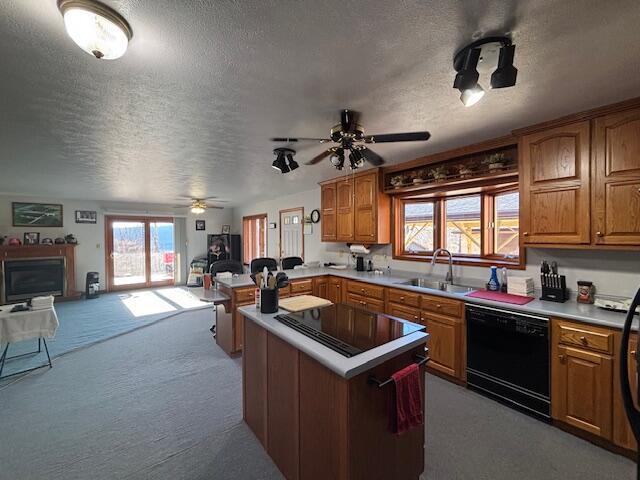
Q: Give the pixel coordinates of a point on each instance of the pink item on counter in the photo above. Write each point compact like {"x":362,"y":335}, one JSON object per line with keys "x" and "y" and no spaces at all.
{"x":500,"y":297}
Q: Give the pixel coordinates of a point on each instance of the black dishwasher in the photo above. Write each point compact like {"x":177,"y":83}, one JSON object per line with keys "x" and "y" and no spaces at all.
{"x":508,"y":358}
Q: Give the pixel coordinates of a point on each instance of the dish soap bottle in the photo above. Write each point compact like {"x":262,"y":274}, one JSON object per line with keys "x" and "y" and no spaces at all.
{"x":493,"y":285}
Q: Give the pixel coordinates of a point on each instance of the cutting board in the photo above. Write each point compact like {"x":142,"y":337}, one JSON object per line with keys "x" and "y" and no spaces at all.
{"x":303,"y":302}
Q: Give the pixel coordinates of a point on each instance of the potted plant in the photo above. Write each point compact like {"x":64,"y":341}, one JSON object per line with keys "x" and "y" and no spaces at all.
{"x":419,"y":177}
{"x":495,"y":161}
{"x":397,"y":181}
{"x":439,"y":173}
{"x":465,"y":170}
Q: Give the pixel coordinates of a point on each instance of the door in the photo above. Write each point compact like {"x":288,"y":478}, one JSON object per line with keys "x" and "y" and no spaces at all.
{"x":344,"y":210}
{"x":328,"y":210}
{"x":582,"y":390}
{"x":140,"y":252}
{"x":365,"y":189}
{"x":616,"y":196}
{"x":291,"y":233}
{"x":555,"y":198}
{"x":444,"y":341}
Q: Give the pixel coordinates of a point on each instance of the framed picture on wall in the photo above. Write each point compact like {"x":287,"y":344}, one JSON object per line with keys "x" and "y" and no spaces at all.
{"x":226,"y":229}
{"x":27,"y":214}
{"x":31,"y":238}
{"x":86,"y":216}
{"x":200,"y":225}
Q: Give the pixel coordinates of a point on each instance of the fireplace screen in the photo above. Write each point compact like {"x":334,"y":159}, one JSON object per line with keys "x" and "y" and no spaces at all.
{"x":24,"y":279}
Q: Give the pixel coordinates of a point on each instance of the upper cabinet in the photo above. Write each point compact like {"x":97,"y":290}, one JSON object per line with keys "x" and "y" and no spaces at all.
{"x":616,"y":169}
{"x":328,"y":211}
{"x":355,"y":209}
{"x":580,"y":180}
{"x":554,"y":169}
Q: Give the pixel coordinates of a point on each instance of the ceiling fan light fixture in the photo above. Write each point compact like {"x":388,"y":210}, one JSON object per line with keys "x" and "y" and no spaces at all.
{"x":197,"y":210}
{"x":356,"y":160}
{"x":471,"y":96}
{"x":96,"y":28}
{"x":505,"y":75}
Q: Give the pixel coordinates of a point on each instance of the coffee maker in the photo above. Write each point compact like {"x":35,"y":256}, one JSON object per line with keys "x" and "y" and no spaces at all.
{"x":359,"y":263}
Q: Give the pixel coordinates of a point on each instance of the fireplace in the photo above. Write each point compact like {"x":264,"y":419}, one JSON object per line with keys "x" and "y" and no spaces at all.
{"x":24,"y":279}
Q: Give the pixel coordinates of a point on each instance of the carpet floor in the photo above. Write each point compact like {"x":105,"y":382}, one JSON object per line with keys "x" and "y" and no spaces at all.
{"x":164,"y":402}
{"x":85,"y":322}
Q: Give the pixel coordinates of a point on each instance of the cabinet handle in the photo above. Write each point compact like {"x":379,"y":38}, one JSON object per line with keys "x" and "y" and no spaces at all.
{"x":526,"y":234}
{"x":599,"y":234}
{"x":561,"y":357}
{"x":584,"y":340}
{"x":633,"y":353}
{"x":402,"y":299}
{"x":438,"y":306}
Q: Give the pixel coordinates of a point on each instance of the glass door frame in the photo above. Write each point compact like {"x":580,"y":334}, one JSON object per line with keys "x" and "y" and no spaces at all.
{"x":109,"y":267}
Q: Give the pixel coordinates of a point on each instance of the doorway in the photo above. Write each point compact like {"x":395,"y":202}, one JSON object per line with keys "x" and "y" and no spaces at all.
{"x":291,"y":233}
{"x":140,"y":252}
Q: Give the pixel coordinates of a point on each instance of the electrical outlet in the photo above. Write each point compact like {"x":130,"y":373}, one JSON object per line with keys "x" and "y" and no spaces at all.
{"x":97,"y":245}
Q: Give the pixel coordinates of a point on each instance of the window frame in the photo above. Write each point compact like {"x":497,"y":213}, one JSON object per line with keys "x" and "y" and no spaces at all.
{"x":245,"y":247}
{"x":487,"y":256}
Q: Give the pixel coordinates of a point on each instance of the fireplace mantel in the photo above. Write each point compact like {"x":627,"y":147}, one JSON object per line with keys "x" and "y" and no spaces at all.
{"x":66,"y":251}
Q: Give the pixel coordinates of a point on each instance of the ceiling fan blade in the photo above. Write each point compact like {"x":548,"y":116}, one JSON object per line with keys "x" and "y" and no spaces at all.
{"x":299,"y":139}
{"x":347,"y":120}
{"x":398,"y":137}
{"x":215,"y":207}
{"x":372,"y":157}
{"x":319,"y":158}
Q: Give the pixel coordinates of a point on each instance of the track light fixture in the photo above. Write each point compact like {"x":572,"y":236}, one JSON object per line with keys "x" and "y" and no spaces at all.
{"x":484,"y":52}
{"x":284,"y":161}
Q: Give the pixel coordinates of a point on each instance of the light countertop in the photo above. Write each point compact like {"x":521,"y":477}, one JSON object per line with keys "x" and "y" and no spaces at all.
{"x":346,"y":367}
{"x":571,"y":309}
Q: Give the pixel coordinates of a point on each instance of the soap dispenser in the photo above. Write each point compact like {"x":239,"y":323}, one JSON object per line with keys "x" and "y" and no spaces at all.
{"x":493,"y":285}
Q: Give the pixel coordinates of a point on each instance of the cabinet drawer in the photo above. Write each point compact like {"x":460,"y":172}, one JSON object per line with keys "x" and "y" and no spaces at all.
{"x":301,"y":286}
{"x":441,"y":305}
{"x":245,"y":295}
{"x":404,"y":312}
{"x":285,"y":291}
{"x":365,"y":289}
{"x":369,"y":304}
{"x":599,"y":340}
{"x":404,"y":297}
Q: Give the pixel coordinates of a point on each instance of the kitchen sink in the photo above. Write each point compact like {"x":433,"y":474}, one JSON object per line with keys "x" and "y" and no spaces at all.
{"x":437,"y":285}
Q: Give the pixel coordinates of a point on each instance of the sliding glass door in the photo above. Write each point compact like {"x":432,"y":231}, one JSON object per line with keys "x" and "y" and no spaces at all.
{"x":140,"y":252}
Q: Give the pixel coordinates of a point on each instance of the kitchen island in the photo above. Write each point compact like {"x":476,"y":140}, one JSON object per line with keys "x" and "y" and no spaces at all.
{"x":320,"y":414}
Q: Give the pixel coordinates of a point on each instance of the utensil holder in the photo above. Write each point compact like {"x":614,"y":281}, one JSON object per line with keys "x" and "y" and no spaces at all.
{"x":268,"y":300}
{"x":554,"y":293}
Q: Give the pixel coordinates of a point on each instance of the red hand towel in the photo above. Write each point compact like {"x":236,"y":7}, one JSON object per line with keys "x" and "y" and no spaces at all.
{"x":406,"y":403}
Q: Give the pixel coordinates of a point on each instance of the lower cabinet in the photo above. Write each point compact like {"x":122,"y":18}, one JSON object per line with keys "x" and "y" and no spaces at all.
{"x":622,"y":434}
{"x":582,"y":377}
{"x":366,"y":303}
{"x":321,"y":287}
{"x":334,"y":289}
{"x":445,"y":343}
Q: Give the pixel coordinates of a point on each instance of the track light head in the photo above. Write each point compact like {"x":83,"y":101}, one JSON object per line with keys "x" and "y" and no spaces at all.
{"x":284,"y":162}
{"x":505,"y":75}
{"x":467,"y":76}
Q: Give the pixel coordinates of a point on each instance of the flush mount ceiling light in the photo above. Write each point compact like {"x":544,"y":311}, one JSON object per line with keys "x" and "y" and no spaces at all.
{"x":96,"y":28}
{"x":198,"y":207}
{"x":484,"y":52}
{"x":284,"y":161}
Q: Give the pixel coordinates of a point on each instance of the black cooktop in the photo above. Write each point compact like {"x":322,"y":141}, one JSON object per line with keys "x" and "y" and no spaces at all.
{"x":348,"y":330}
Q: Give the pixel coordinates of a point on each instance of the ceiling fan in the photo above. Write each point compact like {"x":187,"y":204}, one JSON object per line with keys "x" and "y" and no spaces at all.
{"x":199,"y":205}
{"x":350,"y":138}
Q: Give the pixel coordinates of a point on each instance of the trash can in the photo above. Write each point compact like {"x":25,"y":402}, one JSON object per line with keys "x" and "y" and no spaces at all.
{"x":93,"y":285}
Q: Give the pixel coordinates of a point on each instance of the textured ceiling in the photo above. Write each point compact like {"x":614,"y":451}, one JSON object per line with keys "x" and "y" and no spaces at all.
{"x":190,"y":107}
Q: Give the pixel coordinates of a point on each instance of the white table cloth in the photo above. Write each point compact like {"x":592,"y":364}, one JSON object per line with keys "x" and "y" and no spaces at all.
{"x":18,"y":326}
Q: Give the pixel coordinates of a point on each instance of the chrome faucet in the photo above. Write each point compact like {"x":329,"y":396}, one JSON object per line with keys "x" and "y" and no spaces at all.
{"x":449,"y":277}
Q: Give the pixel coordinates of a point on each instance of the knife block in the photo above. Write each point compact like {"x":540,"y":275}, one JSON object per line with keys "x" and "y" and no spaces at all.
{"x":552,"y":293}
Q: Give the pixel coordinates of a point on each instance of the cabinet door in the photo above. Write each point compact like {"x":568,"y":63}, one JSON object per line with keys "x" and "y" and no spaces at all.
{"x":366,"y":188}
{"x":445,"y":346}
{"x":344,"y":210}
{"x":328,"y":212}
{"x":581,"y":391}
{"x":554,"y":169}
{"x":622,"y":434}
{"x":334,"y":292}
{"x":321,"y":287}
{"x":616,"y":196}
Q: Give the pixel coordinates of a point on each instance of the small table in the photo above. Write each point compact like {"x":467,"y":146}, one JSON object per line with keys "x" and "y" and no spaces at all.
{"x":26,"y":325}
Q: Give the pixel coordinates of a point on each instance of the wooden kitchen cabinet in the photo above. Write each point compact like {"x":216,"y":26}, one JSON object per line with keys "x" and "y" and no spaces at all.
{"x":334,"y":289}
{"x":622,"y":434}
{"x":555,"y":185}
{"x":344,"y":210}
{"x":582,"y":378}
{"x":321,"y":287}
{"x":328,"y":201}
{"x":301,"y":286}
{"x":616,"y":193}
{"x":445,"y":343}
{"x":359,"y":209}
